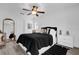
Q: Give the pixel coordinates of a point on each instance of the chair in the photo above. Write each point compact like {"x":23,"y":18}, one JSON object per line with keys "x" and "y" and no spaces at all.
{"x":2,"y":42}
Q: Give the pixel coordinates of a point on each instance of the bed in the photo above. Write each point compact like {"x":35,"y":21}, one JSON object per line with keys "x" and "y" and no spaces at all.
{"x":35,"y":41}
{"x":42,"y":43}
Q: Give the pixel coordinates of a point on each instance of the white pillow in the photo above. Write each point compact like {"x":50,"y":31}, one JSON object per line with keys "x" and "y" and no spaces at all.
{"x":53,"y":33}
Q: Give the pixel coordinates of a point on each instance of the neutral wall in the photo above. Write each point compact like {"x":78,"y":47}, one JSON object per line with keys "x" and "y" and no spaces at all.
{"x":13,"y":11}
{"x":64,"y":16}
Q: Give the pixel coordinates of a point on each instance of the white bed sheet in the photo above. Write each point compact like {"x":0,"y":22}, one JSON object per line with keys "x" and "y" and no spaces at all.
{"x":42,"y":50}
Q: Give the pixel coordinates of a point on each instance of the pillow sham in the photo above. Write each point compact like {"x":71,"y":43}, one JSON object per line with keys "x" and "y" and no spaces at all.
{"x":53,"y":33}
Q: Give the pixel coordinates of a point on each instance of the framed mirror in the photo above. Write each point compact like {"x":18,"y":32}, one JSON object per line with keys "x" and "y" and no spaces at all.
{"x":9,"y":28}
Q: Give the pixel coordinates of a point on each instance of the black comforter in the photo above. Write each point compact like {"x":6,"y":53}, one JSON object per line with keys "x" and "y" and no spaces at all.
{"x":35,"y":41}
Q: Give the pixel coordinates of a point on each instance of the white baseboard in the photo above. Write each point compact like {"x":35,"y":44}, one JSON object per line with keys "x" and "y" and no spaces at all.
{"x":76,"y":46}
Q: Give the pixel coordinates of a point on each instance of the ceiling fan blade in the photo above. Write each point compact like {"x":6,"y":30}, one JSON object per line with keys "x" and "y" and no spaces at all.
{"x":26,"y":9}
{"x":40,"y":12}
{"x":22,"y":13}
{"x":29,"y":13}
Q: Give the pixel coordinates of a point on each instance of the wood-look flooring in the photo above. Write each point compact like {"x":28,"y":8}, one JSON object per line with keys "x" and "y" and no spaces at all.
{"x":12,"y":48}
{"x":74,"y":51}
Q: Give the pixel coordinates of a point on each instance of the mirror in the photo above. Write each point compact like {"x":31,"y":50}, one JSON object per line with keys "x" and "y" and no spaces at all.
{"x":9,"y":28}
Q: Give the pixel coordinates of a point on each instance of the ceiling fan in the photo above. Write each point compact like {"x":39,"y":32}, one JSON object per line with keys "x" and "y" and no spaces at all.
{"x":34,"y":11}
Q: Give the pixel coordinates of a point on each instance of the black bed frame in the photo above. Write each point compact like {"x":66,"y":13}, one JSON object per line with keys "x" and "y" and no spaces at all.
{"x":54,"y":28}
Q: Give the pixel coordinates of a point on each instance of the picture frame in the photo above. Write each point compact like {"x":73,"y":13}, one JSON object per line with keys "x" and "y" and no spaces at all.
{"x":29,"y":26}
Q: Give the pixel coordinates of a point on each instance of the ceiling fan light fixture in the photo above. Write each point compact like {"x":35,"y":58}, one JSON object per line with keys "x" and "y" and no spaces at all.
{"x":34,"y":12}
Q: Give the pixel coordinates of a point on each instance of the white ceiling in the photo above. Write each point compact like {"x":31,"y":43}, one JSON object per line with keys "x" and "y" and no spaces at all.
{"x":50,"y":8}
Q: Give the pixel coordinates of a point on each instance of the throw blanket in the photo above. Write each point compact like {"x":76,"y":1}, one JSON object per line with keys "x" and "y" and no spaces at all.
{"x":56,"y":50}
{"x":35,"y":41}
